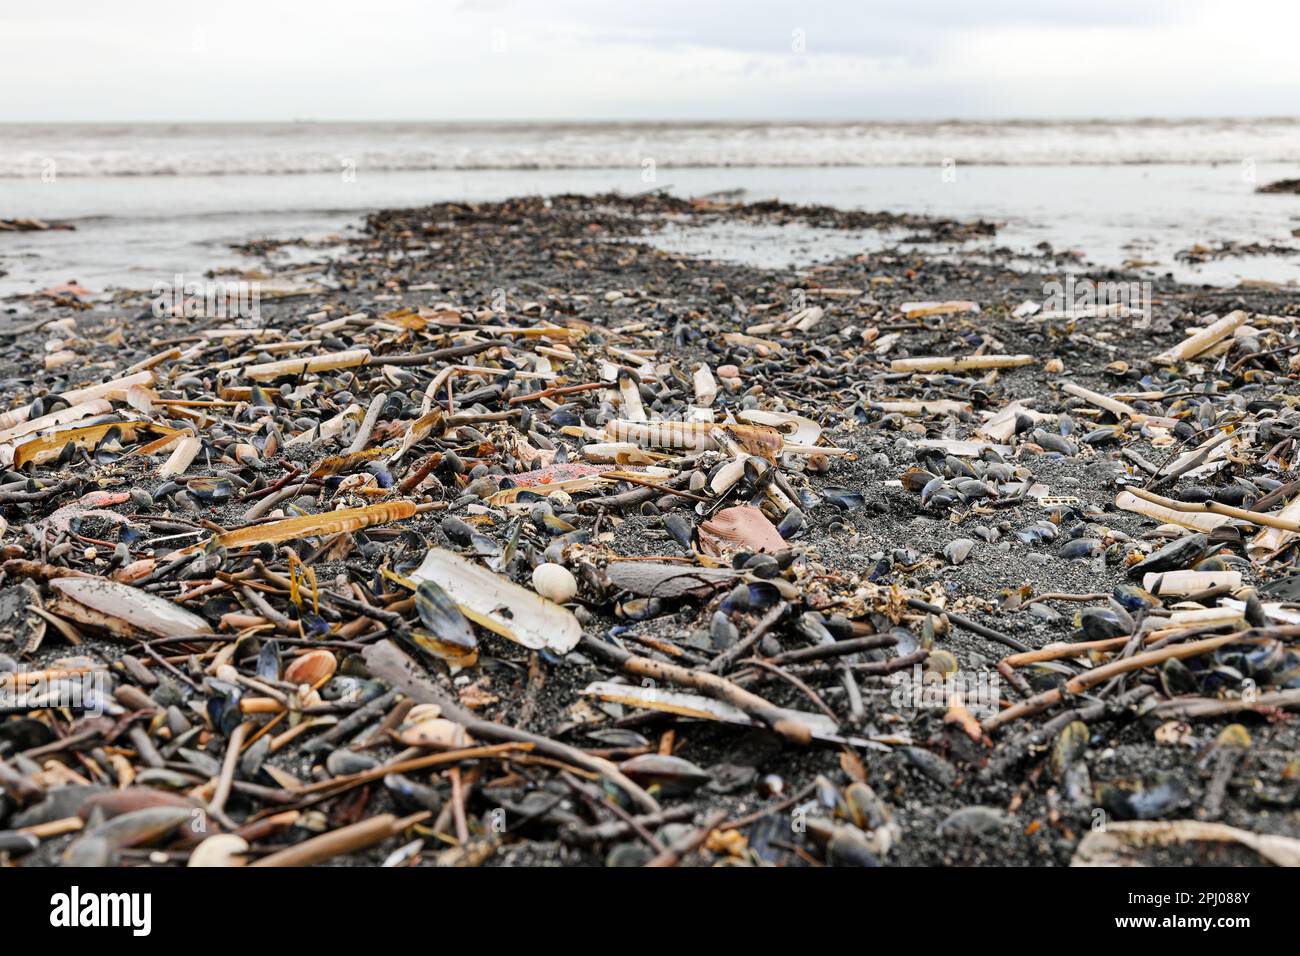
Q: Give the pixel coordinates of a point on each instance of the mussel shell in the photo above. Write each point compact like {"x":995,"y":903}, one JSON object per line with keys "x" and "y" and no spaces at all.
{"x":211,"y":491}
{"x":457,"y":531}
{"x":25,"y":733}
{"x":1102,"y":623}
{"x":915,"y":479}
{"x":849,"y":846}
{"x":250,"y":762}
{"x":223,"y":705}
{"x":383,"y":477}
{"x":958,"y":549}
{"x":669,"y":775}
{"x":791,"y":523}
{"x":932,"y":765}
{"x":1052,"y":442}
{"x":971,"y":821}
{"x":1176,"y":555}
{"x":972,"y":488}
{"x":1133,"y":598}
{"x":1069,"y":746}
{"x":1103,"y":435}
{"x":753,"y":596}
{"x":680,"y":529}
{"x":1079,"y":548}
{"x":1142,"y":804}
{"x":1177,"y":678}
{"x":640,"y":609}
{"x":722,"y":632}
{"x":15,"y":844}
{"x":450,"y":635}
{"x":411,"y":794}
{"x":268,"y":661}
{"x":932,"y":487}
{"x":1038,"y":532}
{"x":844,"y":498}
{"x":865,"y":808}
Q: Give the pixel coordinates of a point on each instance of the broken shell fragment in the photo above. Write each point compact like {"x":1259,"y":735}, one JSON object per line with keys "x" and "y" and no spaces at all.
{"x":220,"y":849}
{"x":313,"y":668}
{"x":740,"y":527}
{"x":438,"y":733}
{"x":123,"y":610}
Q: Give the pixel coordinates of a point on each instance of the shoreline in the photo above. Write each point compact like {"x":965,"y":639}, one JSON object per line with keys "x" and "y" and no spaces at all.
{"x":134,"y":231}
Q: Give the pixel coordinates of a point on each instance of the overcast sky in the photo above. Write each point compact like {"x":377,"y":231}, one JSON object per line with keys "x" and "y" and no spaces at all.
{"x":646,"y":59}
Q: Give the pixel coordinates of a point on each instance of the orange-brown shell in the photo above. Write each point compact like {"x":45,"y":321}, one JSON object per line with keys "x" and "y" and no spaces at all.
{"x":740,"y":527}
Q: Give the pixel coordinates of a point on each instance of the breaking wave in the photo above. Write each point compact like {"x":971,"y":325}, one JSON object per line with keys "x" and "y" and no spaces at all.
{"x":317,"y":148}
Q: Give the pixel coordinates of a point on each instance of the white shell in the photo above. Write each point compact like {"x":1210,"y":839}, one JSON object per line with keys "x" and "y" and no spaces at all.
{"x":221,"y":849}
{"x":554,"y":582}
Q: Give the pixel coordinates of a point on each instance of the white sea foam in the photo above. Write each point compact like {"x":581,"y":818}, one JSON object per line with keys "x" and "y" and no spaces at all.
{"x":299,"y":148}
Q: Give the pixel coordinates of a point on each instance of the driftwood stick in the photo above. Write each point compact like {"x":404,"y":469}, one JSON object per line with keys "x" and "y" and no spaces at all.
{"x":1216,"y":508}
{"x":1014,"y":750}
{"x":613,"y":829}
{"x":840,"y":648}
{"x":691,"y":841}
{"x":973,"y":626}
{"x":711,"y":685}
{"x":400,"y":671}
{"x":1196,"y":707}
{"x":1099,"y":675}
{"x":347,"y":839}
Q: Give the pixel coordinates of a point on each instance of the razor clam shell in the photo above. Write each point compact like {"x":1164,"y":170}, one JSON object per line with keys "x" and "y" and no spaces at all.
{"x":124,"y":610}
{"x":1130,"y":843}
{"x":706,"y":708}
{"x":805,"y":431}
{"x":650,"y":579}
{"x":482,"y":595}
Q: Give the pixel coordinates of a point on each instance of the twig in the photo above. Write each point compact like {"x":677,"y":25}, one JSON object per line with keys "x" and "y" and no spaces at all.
{"x":1098,"y":675}
{"x":614,"y":829}
{"x":629,"y":821}
{"x":789,"y":678}
{"x":556,"y":390}
{"x":972,"y":626}
{"x":838,"y":649}
{"x":688,"y":843}
{"x":1198,"y":707}
{"x":710,"y":685}
{"x":729,"y":656}
{"x":1217,"y":508}
{"x":347,"y":839}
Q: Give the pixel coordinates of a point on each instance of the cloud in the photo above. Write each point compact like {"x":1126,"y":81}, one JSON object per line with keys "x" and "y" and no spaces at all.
{"x":596,"y":59}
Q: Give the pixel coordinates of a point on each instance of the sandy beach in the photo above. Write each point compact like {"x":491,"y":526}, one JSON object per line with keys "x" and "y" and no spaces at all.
{"x":898,"y":509}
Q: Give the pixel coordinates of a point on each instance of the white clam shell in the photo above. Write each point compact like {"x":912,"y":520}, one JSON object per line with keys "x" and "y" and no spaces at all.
{"x":554,"y":582}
